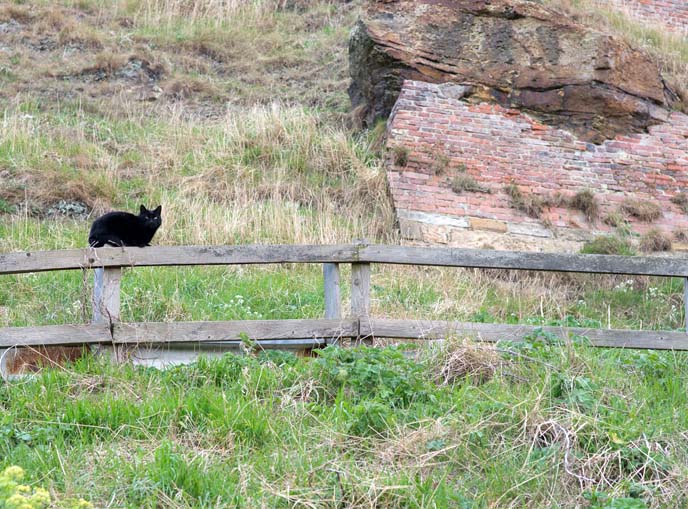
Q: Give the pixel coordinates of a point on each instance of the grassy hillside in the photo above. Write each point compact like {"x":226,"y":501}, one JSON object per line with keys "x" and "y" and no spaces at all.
{"x":233,"y":116}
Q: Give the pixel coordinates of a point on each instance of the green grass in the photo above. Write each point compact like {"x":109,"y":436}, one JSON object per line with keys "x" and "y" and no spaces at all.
{"x":358,"y":427}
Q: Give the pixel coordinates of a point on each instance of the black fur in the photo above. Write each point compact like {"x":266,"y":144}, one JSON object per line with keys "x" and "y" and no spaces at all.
{"x":125,"y":229}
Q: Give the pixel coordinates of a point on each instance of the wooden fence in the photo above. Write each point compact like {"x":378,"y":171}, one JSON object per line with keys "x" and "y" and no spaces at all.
{"x":358,"y":325}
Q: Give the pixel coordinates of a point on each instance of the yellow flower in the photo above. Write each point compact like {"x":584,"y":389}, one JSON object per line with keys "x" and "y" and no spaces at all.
{"x":17,"y":501}
{"x":40,"y":497}
{"x":14,"y":473}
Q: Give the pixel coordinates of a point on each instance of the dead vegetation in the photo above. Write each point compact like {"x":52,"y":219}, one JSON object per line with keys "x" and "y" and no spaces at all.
{"x":614,"y":219}
{"x":534,"y":205}
{"x":528,"y":203}
{"x":400,"y":156}
{"x":586,"y":202}
{"x":642,"y":210}
{"x":681,"y":200}
{"x":240,"y":52}
{"x":603,"y":469}
{"x":655,"y":240}
{"x":458,"y":360}
{"x":466,"y":183}
{"x":680,"y":235}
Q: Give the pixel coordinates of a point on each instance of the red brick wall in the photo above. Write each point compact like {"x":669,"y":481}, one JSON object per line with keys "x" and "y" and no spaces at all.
{"x":433,"y":137}
{"x":672,"y":13}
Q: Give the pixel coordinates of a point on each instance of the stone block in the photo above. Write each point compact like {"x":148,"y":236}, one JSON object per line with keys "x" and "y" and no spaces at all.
{"x":530,"y":229}
{"x":492,"y":225}
{"x":432,"y":219}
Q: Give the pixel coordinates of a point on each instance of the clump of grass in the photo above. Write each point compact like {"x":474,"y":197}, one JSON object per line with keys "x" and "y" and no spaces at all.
{"x":608,"y":244}
{"x":18,"y":13}
{"x":530,"y":204}
{"x":465,"y":183}
{"x":211,"y":12}
{"x":400,"y":155}
{"x":441,"y":164}
{"x":642,"y":210}
{"x":655,"y":240}
{"x":681,"y":234}
{"x":681,"y":199}
{"x":189,"y":86}
{"x":457,"y":360}
{"x":108,"y":62}
{"x":614,"y":219}
{"x":586,"y":202}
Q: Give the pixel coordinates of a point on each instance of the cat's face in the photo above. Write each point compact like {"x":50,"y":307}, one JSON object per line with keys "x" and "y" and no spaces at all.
{"x":152,"y":218}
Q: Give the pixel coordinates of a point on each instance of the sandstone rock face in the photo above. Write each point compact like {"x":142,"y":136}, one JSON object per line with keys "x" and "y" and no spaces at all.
{"x":516,"y":53}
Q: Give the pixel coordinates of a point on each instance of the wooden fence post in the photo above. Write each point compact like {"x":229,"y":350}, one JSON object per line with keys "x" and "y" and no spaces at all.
{"x":360,"y":297}
{"x":333,"y":299}
{"x":105,"y":302}
{"x":685,"y":302}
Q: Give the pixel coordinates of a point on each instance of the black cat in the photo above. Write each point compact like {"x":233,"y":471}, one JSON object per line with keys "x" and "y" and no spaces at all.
{"x":125,"y":229}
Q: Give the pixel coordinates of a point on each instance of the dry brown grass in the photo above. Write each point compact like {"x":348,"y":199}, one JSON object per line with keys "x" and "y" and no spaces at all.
{"x":20,"y":13}
{"x":681,"y":199}
{"x":465,"y":183}
{"x":108,"y":62}
{"x":267,"y":174}
{"x":408,"y":448}
{"x":655,"y":240}
{"x":680,"y":234}
{"x":187,"y":87}
{"x":642,"y":210}
{"x":614,"y":218}
{"x":460,"y":359}
{"x":239,"y":51}
{"x":215,"y":12}
{"x":586,"y":202}
{"x":528,"y":203}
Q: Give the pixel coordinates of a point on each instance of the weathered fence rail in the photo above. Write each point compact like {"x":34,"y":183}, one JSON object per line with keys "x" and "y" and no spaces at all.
{"x":40,"y":261}
{"x":108,"y":329}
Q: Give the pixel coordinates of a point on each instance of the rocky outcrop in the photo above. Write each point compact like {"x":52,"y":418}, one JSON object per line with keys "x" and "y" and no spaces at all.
{"x":516,"y":53}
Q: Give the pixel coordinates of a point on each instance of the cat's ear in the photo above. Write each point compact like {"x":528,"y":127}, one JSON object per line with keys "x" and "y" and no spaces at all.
{"x":157,"y":210}
{"x":142,"y":210}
